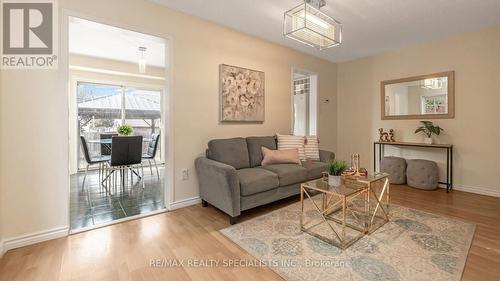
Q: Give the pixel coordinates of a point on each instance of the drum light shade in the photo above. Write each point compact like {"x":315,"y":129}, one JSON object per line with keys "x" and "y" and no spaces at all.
{"x":308,"y":25}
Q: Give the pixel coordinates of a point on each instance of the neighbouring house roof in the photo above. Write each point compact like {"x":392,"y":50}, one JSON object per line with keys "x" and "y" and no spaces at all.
{"x":109,"y":107}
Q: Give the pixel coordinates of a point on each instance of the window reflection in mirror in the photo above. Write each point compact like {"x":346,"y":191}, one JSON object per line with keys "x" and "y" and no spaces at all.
{"x":414,"y":97}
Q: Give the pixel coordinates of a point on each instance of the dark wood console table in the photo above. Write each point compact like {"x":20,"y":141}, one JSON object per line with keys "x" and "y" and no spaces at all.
{"x":447,"y":147}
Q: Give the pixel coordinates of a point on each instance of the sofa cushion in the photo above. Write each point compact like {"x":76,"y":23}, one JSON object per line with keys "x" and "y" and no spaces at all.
{"x":287,"y":156}
{"x":311,"y":148}
{"x":255,"y":145}
{"x":255,"y":180}
{"x":233,"y":152}
{"x":314,"y":169}
{"x":288,"y":173}
{"x":289,"y":141}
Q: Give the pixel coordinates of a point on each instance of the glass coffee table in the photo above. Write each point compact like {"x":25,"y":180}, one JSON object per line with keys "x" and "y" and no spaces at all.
{"x":342,"y":215}
{"x":378,"y":199}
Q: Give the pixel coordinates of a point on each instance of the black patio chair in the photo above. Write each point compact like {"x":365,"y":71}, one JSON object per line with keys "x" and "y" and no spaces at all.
{"x":151,"y":153}
{"x":100,"y":160}
{"x":106,"y":148}
{"x":126,"y":154}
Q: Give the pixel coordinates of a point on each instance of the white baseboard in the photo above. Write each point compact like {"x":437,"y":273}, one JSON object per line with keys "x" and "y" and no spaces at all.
{"x":1,"y":249}
{"x":475,"y":189}
{"x":184,"y":203}
{"x":29,"y":239}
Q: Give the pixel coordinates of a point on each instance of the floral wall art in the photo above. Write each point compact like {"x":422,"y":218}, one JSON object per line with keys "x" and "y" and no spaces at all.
{"x":241,"y":94}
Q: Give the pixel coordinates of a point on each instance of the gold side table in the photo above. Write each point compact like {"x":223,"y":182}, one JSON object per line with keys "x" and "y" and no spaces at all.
{"x":334,"y":201}
{"x":378,"y":201}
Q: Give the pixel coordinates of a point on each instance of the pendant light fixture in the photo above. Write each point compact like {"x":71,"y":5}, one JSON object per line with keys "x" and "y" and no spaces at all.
{"x":308,"y":25}
{"x":142,"y":60}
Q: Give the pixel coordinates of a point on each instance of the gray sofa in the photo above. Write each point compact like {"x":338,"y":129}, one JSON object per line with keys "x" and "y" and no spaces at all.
{"x":231,"y":178}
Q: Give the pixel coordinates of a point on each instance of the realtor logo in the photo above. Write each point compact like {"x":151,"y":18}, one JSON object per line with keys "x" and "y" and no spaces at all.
{"x":28,"y":34}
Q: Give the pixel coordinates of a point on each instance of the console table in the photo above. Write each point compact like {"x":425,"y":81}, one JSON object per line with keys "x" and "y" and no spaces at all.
{"x":447,"y":147}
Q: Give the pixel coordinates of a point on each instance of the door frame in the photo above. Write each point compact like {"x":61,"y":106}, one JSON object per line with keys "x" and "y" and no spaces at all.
{"x":167,"y":103}
{"x":310,"y":73}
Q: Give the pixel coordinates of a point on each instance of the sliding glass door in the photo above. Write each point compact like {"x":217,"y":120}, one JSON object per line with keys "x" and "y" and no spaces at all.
{"x":103,"y":107}
{"x":142,"y":111}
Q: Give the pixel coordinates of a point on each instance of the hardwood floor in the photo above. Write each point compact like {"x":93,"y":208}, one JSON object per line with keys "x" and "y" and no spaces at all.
{"x":125,"y":251}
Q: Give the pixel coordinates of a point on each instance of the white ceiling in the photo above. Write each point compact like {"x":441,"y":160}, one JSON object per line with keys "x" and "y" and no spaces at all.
{"x":370,"y":26}
{"x":104,"y":41}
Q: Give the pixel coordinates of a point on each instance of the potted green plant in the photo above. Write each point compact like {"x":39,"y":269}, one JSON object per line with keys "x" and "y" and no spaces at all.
{"x":125,"y":130}
{"x":335,"y":168}
{"x":428,"y":129}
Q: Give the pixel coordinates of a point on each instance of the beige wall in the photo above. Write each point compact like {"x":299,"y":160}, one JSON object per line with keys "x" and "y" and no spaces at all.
{"x":475,"y":131}
{"x":34,"y":108}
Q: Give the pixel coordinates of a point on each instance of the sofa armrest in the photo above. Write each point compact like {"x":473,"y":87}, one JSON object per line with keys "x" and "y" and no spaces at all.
{"x":219,"y":185}
{"x":325,"y":155}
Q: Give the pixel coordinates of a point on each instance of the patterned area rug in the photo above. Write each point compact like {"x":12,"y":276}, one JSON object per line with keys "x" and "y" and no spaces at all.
{"x":414,"y":245}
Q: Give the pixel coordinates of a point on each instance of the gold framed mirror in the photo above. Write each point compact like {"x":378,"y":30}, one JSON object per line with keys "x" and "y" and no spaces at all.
{"x":429,"y":96}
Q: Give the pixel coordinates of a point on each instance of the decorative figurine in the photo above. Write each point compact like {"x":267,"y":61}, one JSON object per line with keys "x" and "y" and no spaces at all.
{"x":386,"y":137}
{"x":383,"y":135}
{"x":355,"y":170}
{"x":391,"y":135}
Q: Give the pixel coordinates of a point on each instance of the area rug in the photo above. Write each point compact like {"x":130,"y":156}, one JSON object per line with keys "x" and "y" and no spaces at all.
{"x":413,"y":245}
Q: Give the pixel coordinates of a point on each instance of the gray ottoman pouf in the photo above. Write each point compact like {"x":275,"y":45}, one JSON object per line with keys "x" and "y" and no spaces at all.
{"x":422,"y":174}
{"x":396,"y":168}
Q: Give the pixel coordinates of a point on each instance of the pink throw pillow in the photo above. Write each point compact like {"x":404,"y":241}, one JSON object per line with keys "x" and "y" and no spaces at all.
{"x":286,"y":156}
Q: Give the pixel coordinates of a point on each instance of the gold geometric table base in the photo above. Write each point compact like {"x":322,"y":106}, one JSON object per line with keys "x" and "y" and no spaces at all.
{"x":340,"y":222}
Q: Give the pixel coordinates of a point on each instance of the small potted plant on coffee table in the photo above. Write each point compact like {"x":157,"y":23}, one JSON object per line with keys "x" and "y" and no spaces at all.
{"x":428,"y":129}
{"x":335,"y":168}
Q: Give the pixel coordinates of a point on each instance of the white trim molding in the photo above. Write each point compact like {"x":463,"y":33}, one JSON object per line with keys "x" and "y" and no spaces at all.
{"x":37,"y":237}
{"x":475,"y":189}
{"x":1,"y":249}
{"x":114,"y":72}
{"x":184,"y":203}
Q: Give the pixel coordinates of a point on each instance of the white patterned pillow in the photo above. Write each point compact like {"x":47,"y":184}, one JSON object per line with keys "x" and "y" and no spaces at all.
{"x":311,"y":148}
{"x":288,"y":142}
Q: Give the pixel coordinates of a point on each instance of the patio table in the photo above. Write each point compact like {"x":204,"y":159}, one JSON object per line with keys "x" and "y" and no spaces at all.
{"x":108,"y":143}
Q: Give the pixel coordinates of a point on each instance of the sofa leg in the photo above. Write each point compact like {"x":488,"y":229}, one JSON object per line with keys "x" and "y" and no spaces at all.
{"x":232,"y":220}
{"x":204,"y":203}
